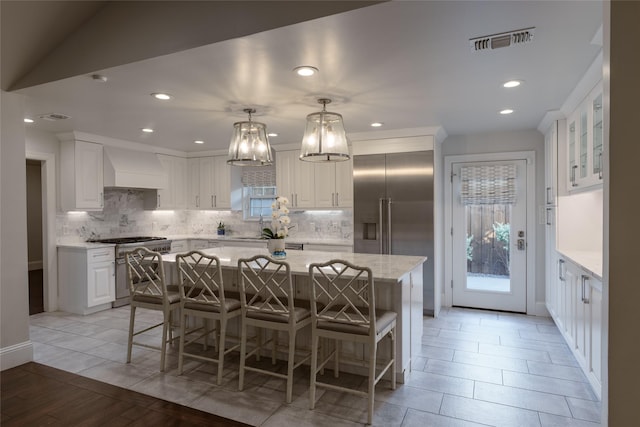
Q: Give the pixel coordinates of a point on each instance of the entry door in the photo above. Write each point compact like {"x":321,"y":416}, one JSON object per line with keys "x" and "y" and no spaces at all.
{"x":489,"y":238}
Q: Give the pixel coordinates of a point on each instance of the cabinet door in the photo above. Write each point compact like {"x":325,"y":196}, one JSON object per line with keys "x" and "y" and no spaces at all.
{"x":583,"y":148}
{"x":179,"y":185}
{"x":222,"y":183}
{"x":207,"y":168}
{"x":344,"y":183}
{"x":572,"y":171}
{"x":88,"y":175}
{"x":193,"y":177}
{"x":304,"y":183}
{"x":285,"y":170}
{"x":581,"y":310}
{"x":166,"y":195}
{"x":101,"y":285}
{"x":551,"y":164}
{"x":325,"y":185}
{"x":596,"y":329}
{"x":597,"y":137}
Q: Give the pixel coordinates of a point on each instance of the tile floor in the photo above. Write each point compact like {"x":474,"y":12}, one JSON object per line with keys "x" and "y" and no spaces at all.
{"x":476,"y":368}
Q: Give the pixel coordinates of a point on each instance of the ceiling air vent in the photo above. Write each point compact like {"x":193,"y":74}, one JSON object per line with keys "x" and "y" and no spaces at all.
{"x":496,"y":41}
{"x":52,"y":117}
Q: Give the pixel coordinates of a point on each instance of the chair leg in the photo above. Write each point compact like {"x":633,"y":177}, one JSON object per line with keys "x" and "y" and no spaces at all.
{"x":183,"y":322}
{"x":372,"y":380}
{"x":274,"y":342}
{"x":291,"y":364}
{"x":336,"y":359}
{"x":132,"y":317}
{"x":243,"y":354}
{"x":166,"y":332}
{"x":314,"y":369}
{"x":221,"y":345}
{"x":393,"y":357}
{"x":259,"y":342}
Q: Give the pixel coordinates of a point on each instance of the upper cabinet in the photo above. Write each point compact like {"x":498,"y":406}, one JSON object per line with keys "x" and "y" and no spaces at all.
{"x":584,"y":143}
{"x":209,"y":183}
{"x":295,"y":179}
{"x":314,"y":185}
{"x":334,"y":184}
{"x":174,"y":195}
{"x":81,"y":176}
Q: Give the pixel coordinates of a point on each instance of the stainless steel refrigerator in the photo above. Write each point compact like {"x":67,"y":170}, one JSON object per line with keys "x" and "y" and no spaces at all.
{"x":393,"y":208}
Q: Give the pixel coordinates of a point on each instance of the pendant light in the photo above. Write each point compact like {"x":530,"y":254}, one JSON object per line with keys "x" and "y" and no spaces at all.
{"x":249,"y":144}
{"x":324,"y":138}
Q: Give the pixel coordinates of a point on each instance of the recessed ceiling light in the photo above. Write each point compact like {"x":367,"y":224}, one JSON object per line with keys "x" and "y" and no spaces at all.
{"x":305,"y":70}
{"x":512,"y":83}
{"x":28,"y":120}
{"x":198,"y":141}
{"x":506,"y":111}
{"x":147,"y":130}
{"x":162,"y":96}
{"x":272,"y":134}
{"x":376,"y":124}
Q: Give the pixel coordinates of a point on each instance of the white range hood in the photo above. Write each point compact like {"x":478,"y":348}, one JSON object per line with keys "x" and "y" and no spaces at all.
{"x":133,"y":169}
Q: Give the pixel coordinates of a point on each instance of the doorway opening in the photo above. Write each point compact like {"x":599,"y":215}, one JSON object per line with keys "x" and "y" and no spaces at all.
{"x":34,"y":236}
{"x":491,"y":243}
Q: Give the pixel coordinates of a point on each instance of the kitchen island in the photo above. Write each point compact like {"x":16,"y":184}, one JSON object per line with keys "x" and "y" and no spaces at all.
{"x":398,"y":282}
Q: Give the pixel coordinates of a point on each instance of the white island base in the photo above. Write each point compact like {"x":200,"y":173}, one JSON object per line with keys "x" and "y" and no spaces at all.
{"x":398,"y":282}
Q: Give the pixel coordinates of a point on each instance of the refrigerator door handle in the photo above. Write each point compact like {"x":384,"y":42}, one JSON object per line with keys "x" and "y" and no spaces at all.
{"x":380,"y":203}
{"x":389,"y":226}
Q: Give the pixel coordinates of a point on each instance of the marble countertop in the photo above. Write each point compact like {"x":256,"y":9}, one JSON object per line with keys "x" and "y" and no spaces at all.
{"x":384,"y":267}
{"x":589,"y":260}
{"x":231,"y":238}
{"x":84,"y":245}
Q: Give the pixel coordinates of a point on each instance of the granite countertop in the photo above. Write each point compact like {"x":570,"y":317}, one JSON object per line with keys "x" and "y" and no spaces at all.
{"x":384,"y":267}
{"x":588,"y":260}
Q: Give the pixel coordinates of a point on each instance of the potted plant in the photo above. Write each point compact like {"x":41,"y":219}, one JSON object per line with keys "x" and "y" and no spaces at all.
{"x":279,"y":227}
{"x":221,"y":228}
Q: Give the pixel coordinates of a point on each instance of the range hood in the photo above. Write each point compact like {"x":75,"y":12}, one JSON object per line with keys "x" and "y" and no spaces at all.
{"x":133,"y":169}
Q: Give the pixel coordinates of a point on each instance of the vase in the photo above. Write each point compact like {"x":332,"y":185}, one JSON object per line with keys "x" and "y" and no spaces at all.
{"x":276,"y":248}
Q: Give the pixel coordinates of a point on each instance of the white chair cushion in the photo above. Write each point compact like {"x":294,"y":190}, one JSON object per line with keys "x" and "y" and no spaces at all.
{"x":383,"y":320}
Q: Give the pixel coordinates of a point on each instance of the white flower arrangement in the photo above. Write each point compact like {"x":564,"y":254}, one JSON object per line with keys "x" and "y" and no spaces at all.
{"x":279,"y":220}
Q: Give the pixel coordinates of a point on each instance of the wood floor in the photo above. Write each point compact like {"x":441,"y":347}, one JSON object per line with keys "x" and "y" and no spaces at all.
{"x":35,"y":395}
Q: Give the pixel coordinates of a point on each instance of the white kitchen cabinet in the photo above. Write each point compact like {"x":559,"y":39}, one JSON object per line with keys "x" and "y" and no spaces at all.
{"x":585,"y":142}
{"x":209,"y":183}
{"x":295,"y":179}
{"x":174,"y":196}
{"x":81,"y":176}
{"x":86,"y":279}
{"x":334,"y":184}
{"x":575,"y":303}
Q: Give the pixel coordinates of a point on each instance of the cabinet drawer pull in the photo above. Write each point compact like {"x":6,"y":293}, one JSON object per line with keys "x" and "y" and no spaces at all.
{"x":561,"y":270}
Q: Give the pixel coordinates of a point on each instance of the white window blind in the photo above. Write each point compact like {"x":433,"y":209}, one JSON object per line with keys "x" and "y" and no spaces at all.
{"x":263,"y":177}
{"x":488,"y":185}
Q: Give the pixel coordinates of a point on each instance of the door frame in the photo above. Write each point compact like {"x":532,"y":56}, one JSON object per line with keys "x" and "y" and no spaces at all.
{"x":529,"y":156}
{"x":49,"y":244}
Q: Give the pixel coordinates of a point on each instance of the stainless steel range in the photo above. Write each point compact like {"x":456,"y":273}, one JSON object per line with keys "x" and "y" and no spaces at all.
{"x":125,"y":244}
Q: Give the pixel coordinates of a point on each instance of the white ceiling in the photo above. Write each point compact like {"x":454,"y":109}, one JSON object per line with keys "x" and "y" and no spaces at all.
{"x":407,"y":64}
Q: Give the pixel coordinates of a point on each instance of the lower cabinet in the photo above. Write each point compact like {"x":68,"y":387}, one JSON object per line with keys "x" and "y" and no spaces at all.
{"x":86,"y":279}
{"x":575,"y":303}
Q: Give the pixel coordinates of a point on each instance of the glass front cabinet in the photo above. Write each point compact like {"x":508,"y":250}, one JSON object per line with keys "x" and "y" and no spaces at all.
{"x":584,"y":142}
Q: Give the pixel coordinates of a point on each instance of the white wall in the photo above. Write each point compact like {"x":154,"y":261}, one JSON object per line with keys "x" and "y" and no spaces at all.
{"x":527,"y":140}
{"x":580,"y":222}
{"x":15,"y":347}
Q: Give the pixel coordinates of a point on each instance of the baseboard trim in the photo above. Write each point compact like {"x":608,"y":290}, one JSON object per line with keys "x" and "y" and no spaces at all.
{"x":16,"y":355}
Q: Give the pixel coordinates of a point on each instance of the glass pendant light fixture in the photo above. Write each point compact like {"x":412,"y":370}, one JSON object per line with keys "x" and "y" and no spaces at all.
{"x":249,"y":143}
{"x":324,"y":138}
